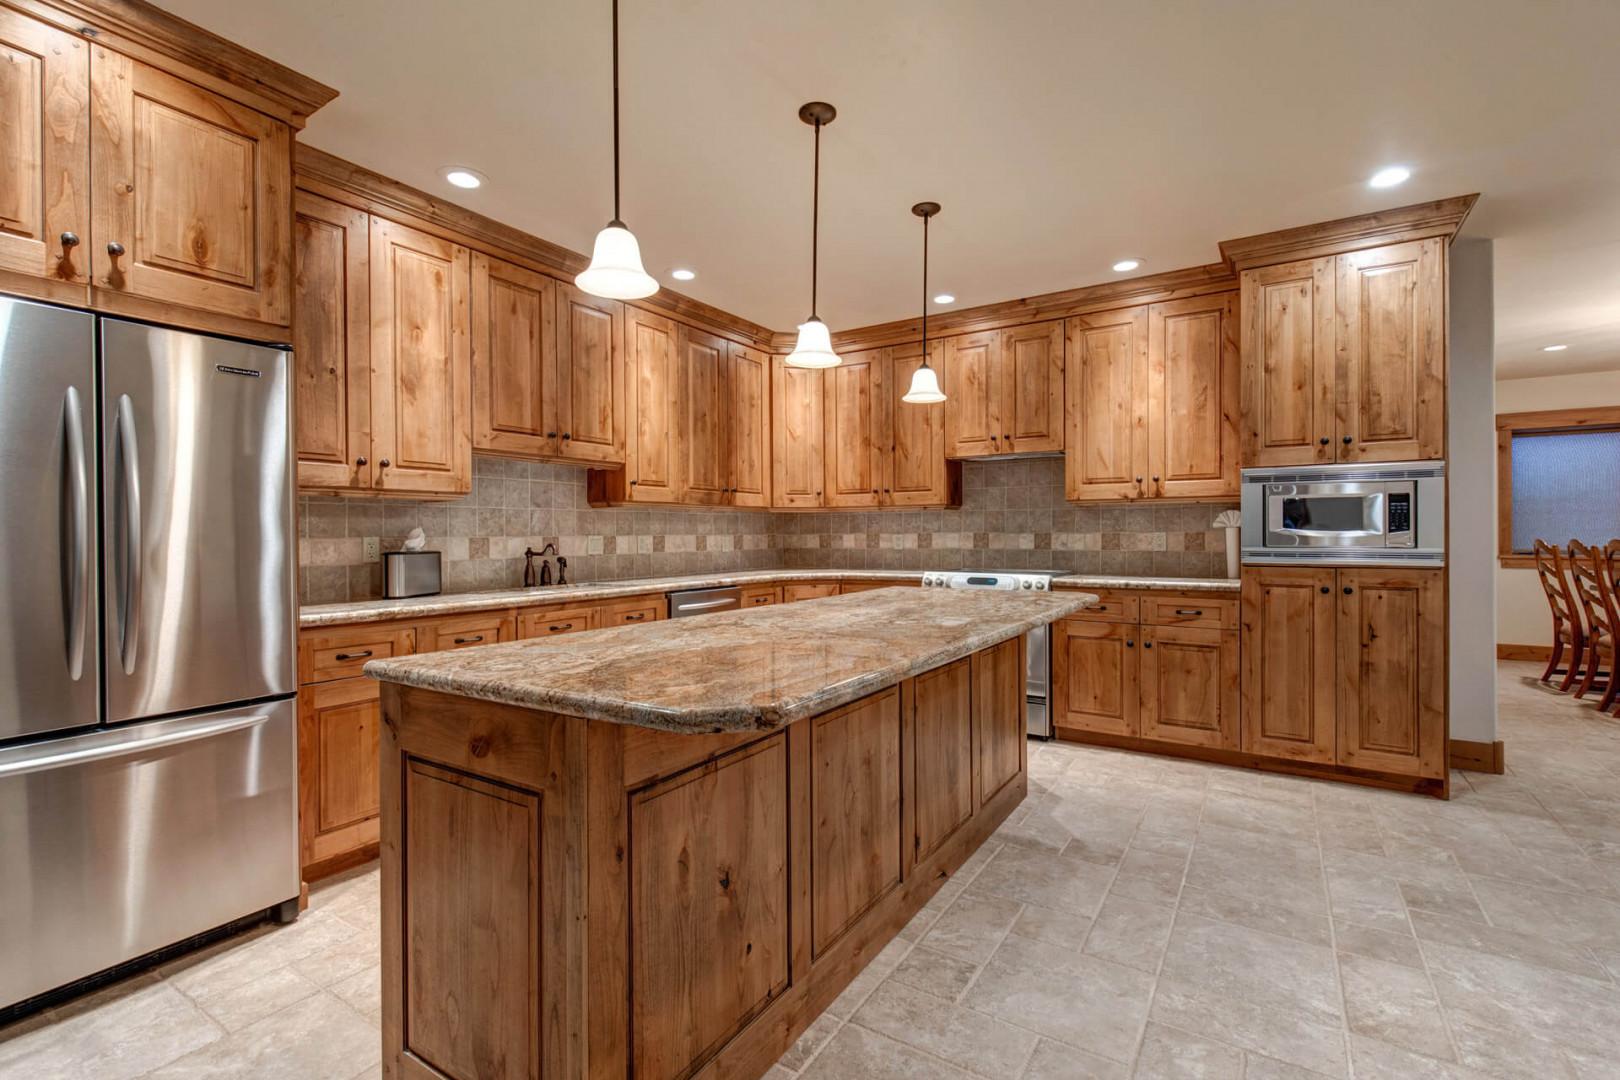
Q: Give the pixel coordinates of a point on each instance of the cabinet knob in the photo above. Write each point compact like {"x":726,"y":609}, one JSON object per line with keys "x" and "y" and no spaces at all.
{"x":1138,"y":481}
{"x":1348,"y":590}
{"x":1155,"y":479}
{"x":114,"y":248}
{"x":1147,"y":644}
{"x":385,"y":463}
{"x":1326,"y":590}
{"x":994,"y":438}
{"x":551,"y":434}
{"x":1008,"y":436}
{"x":361,"y":460}
{"x":1129,"y":644}
{"x":632,"y":483}
{"x":1347,"y":440}
{"x":1324,"y":440}
{"x":70,"y":240}
{"x":567,"y":435}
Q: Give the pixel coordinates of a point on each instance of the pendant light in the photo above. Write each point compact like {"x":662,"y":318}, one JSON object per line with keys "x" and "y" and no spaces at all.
{"x":814,"y":348}
{"x":615,"y":271}
{"x":925,"y":381}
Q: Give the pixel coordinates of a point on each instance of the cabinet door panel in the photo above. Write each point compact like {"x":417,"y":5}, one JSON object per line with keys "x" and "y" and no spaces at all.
{"x":750,"y":458}
{"x":1288,"y":364}
{"x":1032,"y":388}
{"x":1190,"y":686}
{"x":1391,"y":352}
{"x":796,"y":435}
{"x":332,"y":345}
{"x":197,"y":189}
{"x":999,"y":724}
{"x":1095,"y":676}
{"x":421,"y":361}
{"x":1193,"y":397}
{"x":591,"y":393}
{"x":973,"y":388}
{"x":514,"y":359}
{"x":1392,"y":671}
{"x":339,"y":725}
{"x":916,"y":473}
{"x":851,"y":416}
{"x":1288,"y":663}
{"x":44,"y":149}
{"x":652,"y":355}
{"x":943,"y":740}
{"x":706,"y":403}
{"x":1106,"y":405}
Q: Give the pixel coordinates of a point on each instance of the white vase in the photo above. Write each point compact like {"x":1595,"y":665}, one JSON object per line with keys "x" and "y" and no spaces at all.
{"x":1231,"y":551}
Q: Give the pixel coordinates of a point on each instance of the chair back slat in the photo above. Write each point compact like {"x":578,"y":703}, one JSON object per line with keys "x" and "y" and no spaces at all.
{"x":1592,"y":589}
{"x":1555,"y":583}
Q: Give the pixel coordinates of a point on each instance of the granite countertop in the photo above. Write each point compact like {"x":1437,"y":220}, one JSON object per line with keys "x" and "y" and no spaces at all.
{"x":415,"y":607}
{"x":755,"y":669}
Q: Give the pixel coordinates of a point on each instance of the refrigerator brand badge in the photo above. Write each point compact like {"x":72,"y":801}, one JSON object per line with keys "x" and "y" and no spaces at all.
{"x":226,"y":369}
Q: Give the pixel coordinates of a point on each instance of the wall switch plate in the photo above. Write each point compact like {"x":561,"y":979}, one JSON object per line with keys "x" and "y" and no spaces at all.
{"x":370,"y":552}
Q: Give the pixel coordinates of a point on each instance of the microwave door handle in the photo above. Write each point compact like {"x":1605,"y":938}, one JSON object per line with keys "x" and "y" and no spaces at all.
{"x":76,"y":559}
{"x":129,"y":598}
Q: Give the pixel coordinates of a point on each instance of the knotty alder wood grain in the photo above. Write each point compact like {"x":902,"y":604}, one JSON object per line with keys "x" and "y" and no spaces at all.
{"x":332,"y":345}
{"x":514,"y":359}
{"x":567,"y":898}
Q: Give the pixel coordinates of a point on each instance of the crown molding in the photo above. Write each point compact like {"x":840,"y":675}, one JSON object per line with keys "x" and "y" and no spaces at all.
{"x":1420,"y":221}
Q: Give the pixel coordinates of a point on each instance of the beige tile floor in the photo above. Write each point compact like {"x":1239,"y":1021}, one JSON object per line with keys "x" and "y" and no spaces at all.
{"x":1137,"y":917}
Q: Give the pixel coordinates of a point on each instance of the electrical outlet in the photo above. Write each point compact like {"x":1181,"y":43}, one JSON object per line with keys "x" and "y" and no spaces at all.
{"x":370,"y":550}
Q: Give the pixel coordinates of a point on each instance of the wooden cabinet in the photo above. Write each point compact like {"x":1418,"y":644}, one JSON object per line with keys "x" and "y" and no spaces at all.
{"x":1289,"y":663}
{"x":1107,"y":380}
{"x":915,"y":471}
{"x":1095,"y":676}
{"x":514,"y":359}
{"x":1391,"y":680}
{"x":852,"y":418}
{"x":552,"y":621}
{"x":808,"y":590}
{"x":332,"y":345}
{"x":1190,"y":686}
{"x":750,"y":427}
{"x":942,"y":722}
{"x":999,"y":723}
{"x":1344,"y":357}
{"x":796,"y":436}
{"x":972,"y":381}
{"x":1005,"y":391}
{"x":629,"y":611}
{"x":653,"y":379}
{"x":341,"y":653}
{"x":591,"y":393}
{"x":339,"y":726}
{"x":44,"y":153}
{"x":1193,"y":397}
{"x":466,"y":631}
{"x":761,"y":595}
{"x":703,"y":437}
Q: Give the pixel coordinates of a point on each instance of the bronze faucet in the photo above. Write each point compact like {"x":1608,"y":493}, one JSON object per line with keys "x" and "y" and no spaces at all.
{"x":529,"y":555}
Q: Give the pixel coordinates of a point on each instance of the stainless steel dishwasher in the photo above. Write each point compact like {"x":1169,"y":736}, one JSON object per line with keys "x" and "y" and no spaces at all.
{"x":702,"y":601}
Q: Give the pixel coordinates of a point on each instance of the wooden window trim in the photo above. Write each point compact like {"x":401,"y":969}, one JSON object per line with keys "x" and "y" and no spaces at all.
{"x":1524,"y":423}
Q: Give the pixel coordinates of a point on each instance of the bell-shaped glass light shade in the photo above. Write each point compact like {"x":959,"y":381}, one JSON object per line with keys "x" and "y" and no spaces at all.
{"x":814,"y":347}
{"x":615,"y":271}
{"x":924,"y":387}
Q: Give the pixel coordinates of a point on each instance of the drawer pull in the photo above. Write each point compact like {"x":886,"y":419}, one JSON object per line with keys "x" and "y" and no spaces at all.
{"x":352,"y":655}
{"x":559,"y":628}
{"x":475,"y":639}
{"x":1188,"y":611}
{"x":637,"y":617}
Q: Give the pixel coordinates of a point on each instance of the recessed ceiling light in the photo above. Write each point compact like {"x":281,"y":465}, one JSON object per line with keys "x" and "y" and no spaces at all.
{"x":1125,"y":266}
{"x":1389,"y":177}
{"x":681,"y":273}
{"x":944,"y":298}
{"x":463,"y":177}
{"x":1554,"y":348}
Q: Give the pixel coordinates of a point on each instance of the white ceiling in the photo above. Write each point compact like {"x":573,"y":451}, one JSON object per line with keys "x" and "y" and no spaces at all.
{"x":1060,"y":135}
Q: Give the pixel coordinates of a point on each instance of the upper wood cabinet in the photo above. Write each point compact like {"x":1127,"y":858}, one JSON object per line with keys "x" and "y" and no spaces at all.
{"x":703,"y":439}
{"x":44,"y":151}
{"x":852,"y":418}
{"x":420,"y":361}
{"x":972,"y":380}
{"x":591,"y":375}
{"x":191,"y":196}
{"x":1107,"y":388}
{"x":915,"y":471}
{"x":796,"y":435}
{"x":514,"y":359}
{"x":1005,"y":391}
{"x":1192,"y":399}
{"x":1344,"y":357}
{"x":750,"y":432}
{"x":332,"y":345}
{"x":652,"y":407}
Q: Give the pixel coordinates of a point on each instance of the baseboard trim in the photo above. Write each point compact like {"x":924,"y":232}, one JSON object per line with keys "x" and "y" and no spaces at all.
{"x":1523,"y":652}
{"x":1470,"y":756}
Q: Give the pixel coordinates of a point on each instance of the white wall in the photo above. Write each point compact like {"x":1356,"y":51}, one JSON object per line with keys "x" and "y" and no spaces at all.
{"x":1521,"y":608}
{"x":1470,"y":483}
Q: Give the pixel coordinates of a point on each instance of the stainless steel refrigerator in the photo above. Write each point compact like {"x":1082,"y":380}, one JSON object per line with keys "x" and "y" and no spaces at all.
{"x":148,"y":729}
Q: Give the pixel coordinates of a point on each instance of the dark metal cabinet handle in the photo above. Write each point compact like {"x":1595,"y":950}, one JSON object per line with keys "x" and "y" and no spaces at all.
{"x":475,"y":639}
{"x":70,"y":240}
{"x":632,"y":483}
{"x":1325,"y":440}
{"x":1348,"y":440}
{"x":1155,"y":479}
{"x":1129,"y":644}
{"x":1188,"y":611}
{"x":361,"y":460}
{"x":568,"y":435}
{"x":352,"y":655}
{"x":1348,"y":590}
{"x":561,"y":627}
{"x":1326,"y":590}
{"x":114,"y":248}
{"x":1147,"y":644}
{"x":637,"y":617}
{"x":385,"y":463}
{"x":551,"y":434}
{"x":1138,"y":481}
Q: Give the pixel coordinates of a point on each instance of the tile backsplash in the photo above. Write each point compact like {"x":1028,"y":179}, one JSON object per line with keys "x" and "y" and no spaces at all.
{"x":1013,"y":516}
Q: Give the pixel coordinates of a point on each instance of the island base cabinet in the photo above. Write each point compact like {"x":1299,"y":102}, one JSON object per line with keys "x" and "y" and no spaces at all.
{"x":571,"y":898}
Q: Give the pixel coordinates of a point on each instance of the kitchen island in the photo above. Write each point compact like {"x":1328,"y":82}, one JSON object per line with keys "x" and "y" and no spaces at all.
{"x":661,"y":851}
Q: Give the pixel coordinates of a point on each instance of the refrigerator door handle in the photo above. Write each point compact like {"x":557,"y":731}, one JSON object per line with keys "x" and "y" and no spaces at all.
{"x":129,"y":536}
{"x":76,"y":560}
{"x":99,"y":746}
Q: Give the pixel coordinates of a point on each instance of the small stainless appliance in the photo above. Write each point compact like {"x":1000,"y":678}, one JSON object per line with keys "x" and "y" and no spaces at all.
{"x":411,"y":573}
{"x":702,"y":601}
{"x":1345,"y":515}
{"x":1038,"y":672}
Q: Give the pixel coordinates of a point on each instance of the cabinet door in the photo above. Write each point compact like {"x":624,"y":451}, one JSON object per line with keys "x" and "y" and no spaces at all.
{"x":339,"y":725}
{"x":514,"y":359}
{"x":796,"y":435}
{"x":852,"y":417}
{"x":750,"y":381}
{"x":1392,"y":352}
{"x":653,"y":377}
{"x":1106,"y":404}
{"x":915,"y":471}
{"x":973,"y":386}
{"x":1288,"y":663}
{"x":1193,"y":397}
{"x":1000,"y":728}
{"x":44,"y":150}
{"x":1096,"y":676}
{"x":706,"y":408}
{"x":332,"y":345}
{"x":1032,"y":388}
{"x":591,"y":395}
{"x":1190,"y":686}
{"x":942,"y":753}
{"x":1288,"y":364}
{"x":195,"y":188}
{"x":421,"y":361}
{"x":1392,"y":671}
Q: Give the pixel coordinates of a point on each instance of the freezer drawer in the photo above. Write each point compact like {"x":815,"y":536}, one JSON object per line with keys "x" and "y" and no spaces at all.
{"x":122,"y":841}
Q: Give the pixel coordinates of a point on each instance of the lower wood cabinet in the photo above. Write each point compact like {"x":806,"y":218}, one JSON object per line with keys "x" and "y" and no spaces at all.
{"x":549,"y":622}
{"x":1289,"y":663}
{"x":761,"y":595}
{"x":466,"y":631}
{"x":1190,"y":685}
{"x":998,"y":678}
{"x":1096,"y":676}
{"x":808,"y":590}
{"x":338,"y":731}
{"x":942,"y":709}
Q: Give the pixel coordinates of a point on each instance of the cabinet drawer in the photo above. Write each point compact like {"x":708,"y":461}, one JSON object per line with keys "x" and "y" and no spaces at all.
{"x":867,"y":584}
{"x":760,"y":595}
{"x":340,"y":653}
{"x":1110,"y":608}
{"x":628,"y":612}
{"x":1211,"y":612}
{"x":465,"y":631}
{"x":808,"y":590}
{"x":550,"y":622}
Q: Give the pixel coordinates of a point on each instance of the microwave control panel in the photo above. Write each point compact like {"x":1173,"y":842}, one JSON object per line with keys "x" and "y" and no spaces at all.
{"x":1399,"y":530}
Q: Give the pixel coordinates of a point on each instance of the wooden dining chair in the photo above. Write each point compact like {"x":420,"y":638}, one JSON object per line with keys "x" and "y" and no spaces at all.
{"x":1589,"y":572}
{"x":1569,"y":632}
{"x":1611,"y":581}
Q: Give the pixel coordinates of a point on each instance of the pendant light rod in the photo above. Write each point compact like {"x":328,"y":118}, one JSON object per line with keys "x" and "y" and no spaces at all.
{"x":925,"y":389}
{"x":925,"y":210}
{"x":816,"y":114}
{"x":616,"y":220}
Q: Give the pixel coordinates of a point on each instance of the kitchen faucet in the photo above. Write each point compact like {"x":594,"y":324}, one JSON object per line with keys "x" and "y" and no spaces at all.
{"x":529,"y":555}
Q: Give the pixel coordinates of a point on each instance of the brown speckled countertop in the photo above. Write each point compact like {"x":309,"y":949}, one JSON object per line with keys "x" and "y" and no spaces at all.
{"x":756,"y":669}
{"x":417,"y":607}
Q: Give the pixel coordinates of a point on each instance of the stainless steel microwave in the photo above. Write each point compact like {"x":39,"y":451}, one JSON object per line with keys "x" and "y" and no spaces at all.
{"x":1345,"y":515}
